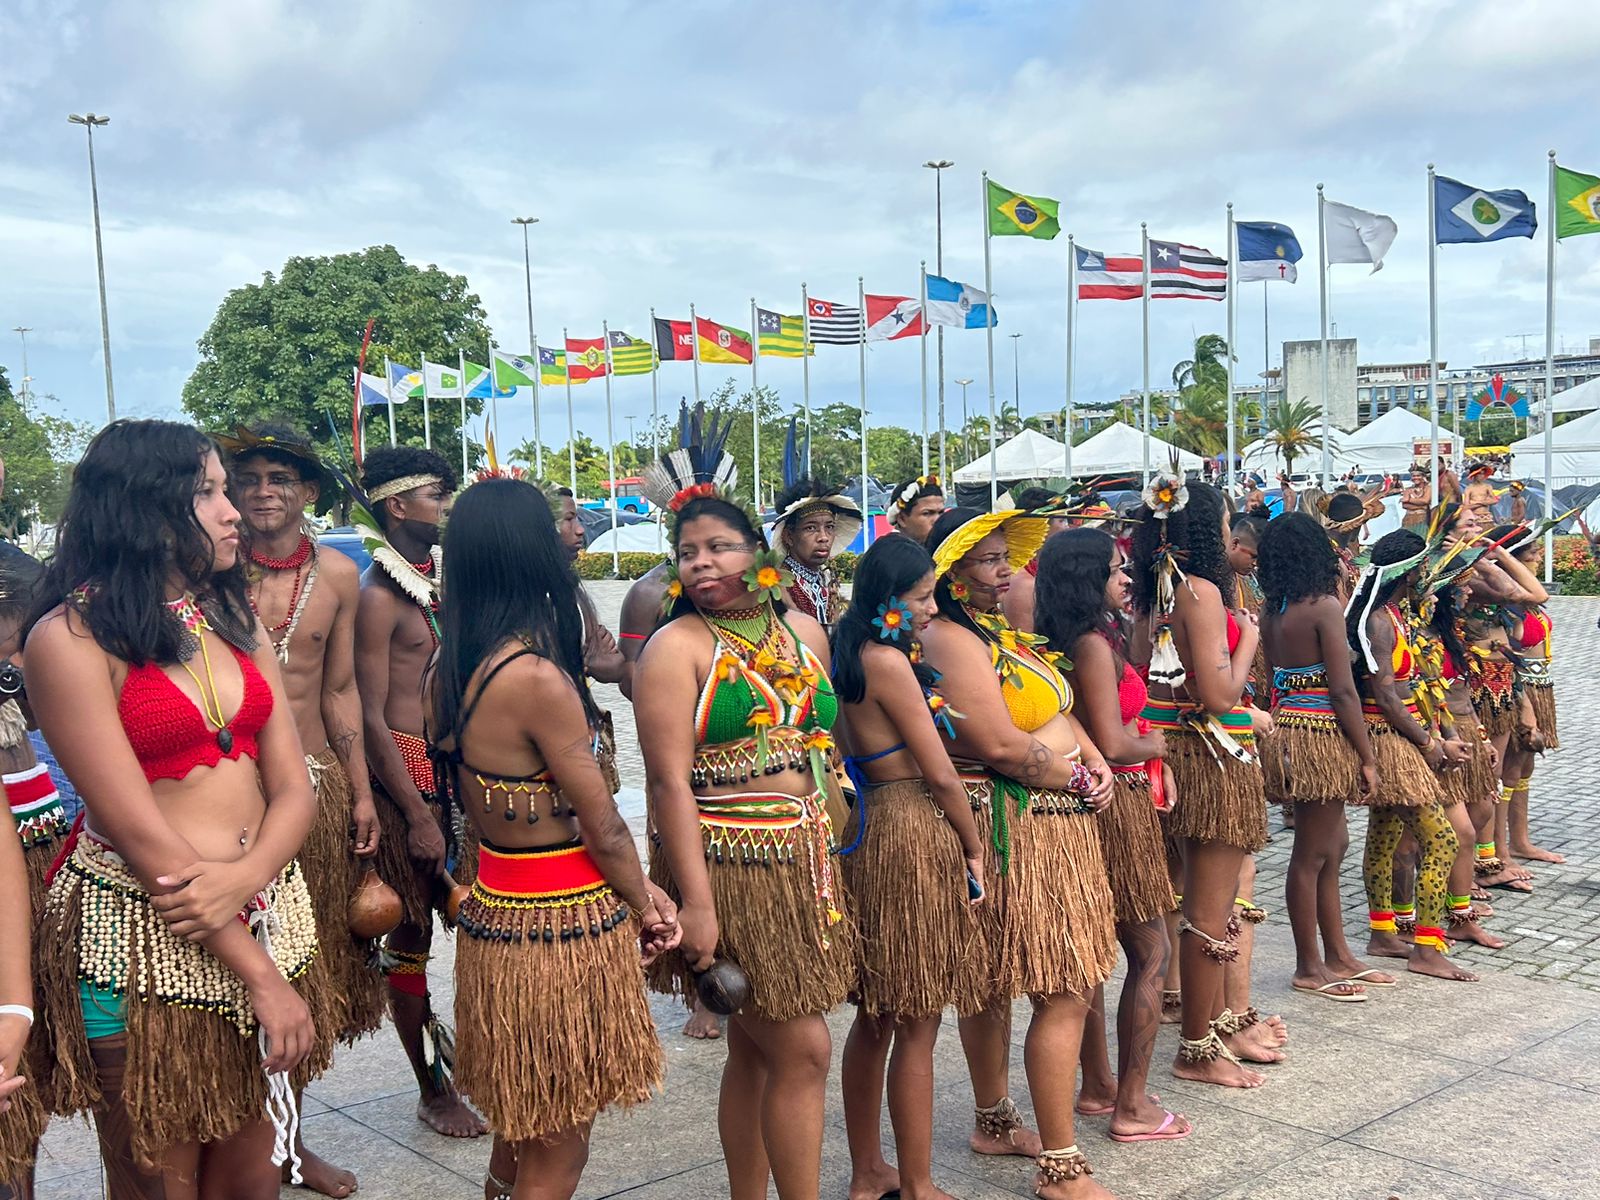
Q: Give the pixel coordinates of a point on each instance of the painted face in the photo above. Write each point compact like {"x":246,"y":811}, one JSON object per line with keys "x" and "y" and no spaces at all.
{"x":421,"y":511}
{"x":1119,"y":587}
{"x":569,"y":530}
{"x":712,"y":559}
{"x":1242,"y":554}
{"x":917,"y":521}
{"x":986,"y":570}
{"x":919,"y":598}
{"x":216,"y":513}
{"x":272,"y":495}
{"x":809,"y":536}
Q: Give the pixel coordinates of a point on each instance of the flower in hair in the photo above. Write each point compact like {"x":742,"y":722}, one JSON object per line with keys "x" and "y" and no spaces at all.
{"x":674,"y":589}
{"x":892,"y":618}
{"x":1165,"y":495}
{"x":767,"y":577}
{"x":959,"y":591}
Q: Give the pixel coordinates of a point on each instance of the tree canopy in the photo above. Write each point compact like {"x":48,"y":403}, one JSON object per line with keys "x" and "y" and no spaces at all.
{"x":39,"y":449}
{"x":286,"y":348}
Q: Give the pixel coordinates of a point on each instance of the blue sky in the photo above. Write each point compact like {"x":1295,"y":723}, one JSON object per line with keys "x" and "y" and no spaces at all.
{"x":715,"y":152}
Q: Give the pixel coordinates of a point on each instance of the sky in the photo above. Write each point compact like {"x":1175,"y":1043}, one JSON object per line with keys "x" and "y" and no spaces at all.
{"x":715,"y":152}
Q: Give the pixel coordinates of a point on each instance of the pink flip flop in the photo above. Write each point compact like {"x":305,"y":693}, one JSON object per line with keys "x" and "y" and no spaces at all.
{"x":1158,"y":1134}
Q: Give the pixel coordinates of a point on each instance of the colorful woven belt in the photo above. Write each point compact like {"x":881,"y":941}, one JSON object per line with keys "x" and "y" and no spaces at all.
{"x":542,"y":877}
{"x":762,"y":829}
{"x":35,"y":805}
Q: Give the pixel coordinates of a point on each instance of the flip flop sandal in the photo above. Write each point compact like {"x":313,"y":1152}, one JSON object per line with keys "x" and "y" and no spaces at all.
{"x":1364,"y":978}
{"x":1327,"y":993}
{"x":1159,"y":1134}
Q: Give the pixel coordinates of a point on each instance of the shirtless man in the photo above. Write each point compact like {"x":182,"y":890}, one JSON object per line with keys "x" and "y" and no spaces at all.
{"x":1480,"y":494}
{"x":396,"y":634}
{"x":306,"y":599}
{"x":1415,"y":502}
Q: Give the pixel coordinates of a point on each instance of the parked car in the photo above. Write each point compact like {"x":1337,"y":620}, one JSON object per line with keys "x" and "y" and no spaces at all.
{"x":346,"y":541}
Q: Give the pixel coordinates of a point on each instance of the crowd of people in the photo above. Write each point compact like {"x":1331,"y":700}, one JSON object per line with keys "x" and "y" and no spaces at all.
{"x":1020,"y":740}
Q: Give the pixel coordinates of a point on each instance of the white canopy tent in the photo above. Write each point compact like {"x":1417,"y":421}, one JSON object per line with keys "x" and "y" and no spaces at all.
{"x":1575,"y":450}
{"x":1386,"y":444}
{"x":1119,"y":449}
{"x":1261,"y":457}
{"x":1583,"y":398}
{"x":1029,"y":455}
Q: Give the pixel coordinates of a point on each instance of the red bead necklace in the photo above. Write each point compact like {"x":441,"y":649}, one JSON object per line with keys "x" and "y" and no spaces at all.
{"x":295,"y":562}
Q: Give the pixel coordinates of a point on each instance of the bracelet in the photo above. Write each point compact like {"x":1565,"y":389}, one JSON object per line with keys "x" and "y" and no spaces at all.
{"x":17,"y":1010}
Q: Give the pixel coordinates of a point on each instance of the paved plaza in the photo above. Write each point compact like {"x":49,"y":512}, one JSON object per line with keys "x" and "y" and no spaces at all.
{"x":1433,"y":1091}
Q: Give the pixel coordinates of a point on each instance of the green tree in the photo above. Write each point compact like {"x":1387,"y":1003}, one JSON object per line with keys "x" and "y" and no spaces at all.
{"x":39,"y":449}
{"x":1209,"y":364}
{"x":285,"y":348}
{"x":1289,"y":430}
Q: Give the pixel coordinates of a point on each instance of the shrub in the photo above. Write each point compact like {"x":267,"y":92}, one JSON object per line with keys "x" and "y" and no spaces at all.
{"x":1575,"y":568}
{"x":630,"y":565}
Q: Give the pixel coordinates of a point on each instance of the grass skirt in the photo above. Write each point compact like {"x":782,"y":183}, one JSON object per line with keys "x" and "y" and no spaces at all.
{"x":1134,"y":852}
{"x":919,"y":946}
{"x":1493,"y":697}
{"x":552,"y":1025}
{"x":24,"y":1125}
{"x":194,"y":1069}
{"x":1543,"y":697}
{"x":1049,"y":923}
{"x":1220,"y":799}
{"x":332,"y":872}
{"x":1314,"y":762}
{"x":1404,"y":778}
{"x":1475,"y":781}
{"x":779,"y":904}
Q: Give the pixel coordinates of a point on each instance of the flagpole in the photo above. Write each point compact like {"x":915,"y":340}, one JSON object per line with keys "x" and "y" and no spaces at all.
{"x":1551,"y":222}
{"x":388,"y":390}
{"x":461,"y":390}
{"x":755,"y":402}
{"x":1233,"y":283}
{"x":988,"y":335}
{"x":924,"y":366}
{"x":494,"y":401}
{"x":611,"y":448}
{"x":1266,"y":351}
{"x":805,"y":365}
{"x":427,"y":419}
{"x":694,"y":349}
{"x":1144,"y":304}
{"x":1433,"y":344}
{"x":1072,"y":320}
{"x":866,"y":511}
{"x":655,"y":389}
{"x":1322,"y":280}
{"x":572,"y":425}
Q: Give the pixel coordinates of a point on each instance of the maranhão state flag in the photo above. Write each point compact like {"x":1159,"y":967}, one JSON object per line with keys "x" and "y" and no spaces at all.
{"x":674,"y":340}
{"x":890,"y":317}
{"x":586,"y":358}
{"x":722,"y":343}
{"x":1109,"y":276}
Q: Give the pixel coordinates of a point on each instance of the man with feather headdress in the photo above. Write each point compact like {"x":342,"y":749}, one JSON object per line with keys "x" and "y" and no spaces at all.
{"x":814,"y":524}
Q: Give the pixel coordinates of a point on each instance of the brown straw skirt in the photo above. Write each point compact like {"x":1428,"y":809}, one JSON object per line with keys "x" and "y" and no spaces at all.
{"x":332,"y":872}
{"x":1404,"y":779}
{"x":1220,"y":799}
{"x":918,"y":943}
{"x":552,"y":1024}
{"x":1134,"y":852}
{"x":1543,"y":697}
{"x":1317,"y":764}
{"x":23,"y":1126}
{"x":1049,"y":923}
{"x":780,"y":910}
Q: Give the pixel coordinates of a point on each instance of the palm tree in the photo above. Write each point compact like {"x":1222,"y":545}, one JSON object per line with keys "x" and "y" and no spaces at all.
{"x":1201,"y":424}
{"x":1009,"y":422}
{"x":1288,"y":430}
{"x":1204,"y":367}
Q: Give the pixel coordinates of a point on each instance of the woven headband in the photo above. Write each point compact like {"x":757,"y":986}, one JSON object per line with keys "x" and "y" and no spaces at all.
{"x":405,"y":483}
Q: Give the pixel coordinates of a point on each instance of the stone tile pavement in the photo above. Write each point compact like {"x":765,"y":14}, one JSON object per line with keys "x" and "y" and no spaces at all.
{"x":1433,"y":1091}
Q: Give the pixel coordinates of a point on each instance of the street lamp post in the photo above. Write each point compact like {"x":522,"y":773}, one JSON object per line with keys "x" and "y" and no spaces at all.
{"x":966,"y":451}
{"x":26,"y":394}
{"x":89,"y":121}
{"x":533,"y":346}
{"x":938,"y":166}
{"x":1016,"y":378}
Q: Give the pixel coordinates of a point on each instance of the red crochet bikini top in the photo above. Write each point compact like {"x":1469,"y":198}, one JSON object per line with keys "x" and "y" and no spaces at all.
{"x":1131,"y":693}
{"x":169,"y":736}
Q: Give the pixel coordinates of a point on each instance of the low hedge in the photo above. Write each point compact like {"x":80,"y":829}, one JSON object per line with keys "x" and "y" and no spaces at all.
{"x":636,"y":563}
{"x":1575,"y":567}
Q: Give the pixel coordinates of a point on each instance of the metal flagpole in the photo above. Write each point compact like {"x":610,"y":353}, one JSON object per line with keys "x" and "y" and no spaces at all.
{"x":461,"y":390}
{"x":655,"y":389}
{"x":1233,"y":282}
{"x":1550,"y":369}
{"x":866,"y":512}
{"x":694,"y":349}
{"x":494,"y":401}
{"x":805,"y":367}
{"x":611,"y":449}
{"x":388,"y":390}
{"x":1266,"y":351}
{"x":924,"y":344}
{"x":427,"y":419}
{"x":1322,"y":279}
{"x":755,"y":402}
{"x":1144,"y":303}
{"x":1072,"y":320}
{"x":1433,"y":343}
{"x":988,"y":335}
{"x":572,"y":425}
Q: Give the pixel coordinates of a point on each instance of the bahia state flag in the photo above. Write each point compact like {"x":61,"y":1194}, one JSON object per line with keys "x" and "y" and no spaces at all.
{"x":1267,"y":250}
{"x":958,"y":304}
{"x":1463,"y":213}
{"x":1109,"y":276}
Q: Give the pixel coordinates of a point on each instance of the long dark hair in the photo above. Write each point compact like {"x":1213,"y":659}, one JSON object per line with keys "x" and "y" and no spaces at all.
{"x":889,"y":568}
{"x":1393,"y":547}
{"x":506,"y":579}
{"x":20,"y":576}
{"x":949,"y":521}
{"x":129,"y":524}
{"x":1443,"y":623}
{"x":1195,"y":532}
{"x":731,"y":515}
{"x":1296,"y":561}
{"x":1069,"y":599}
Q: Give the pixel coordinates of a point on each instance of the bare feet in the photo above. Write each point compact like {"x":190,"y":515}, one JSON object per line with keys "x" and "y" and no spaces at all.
{"x":1252,"y":1049}
{"x":1218,"y":1071}
{"x":318,"y":1175}
{"x":1427,"y":961}
{"x":1536,"y":854}
{"x":1383,"y":944}
{"x":447,"y":1113}
{"x":703,"y":1024}
{"x":1022,"y":1141}
{"x":1471,"y":931}
{"x":1271,"y":1030}
{"x":501,"y":1176}
{"x":875,"y":1183}
{"x":1083,"y":1187}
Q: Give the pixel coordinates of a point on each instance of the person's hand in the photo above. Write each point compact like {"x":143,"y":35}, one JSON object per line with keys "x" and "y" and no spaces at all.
{"x":700,"y":933}
{"x":1261,"y":722}
{"x":1368,"y":784}
{"x":1169,"y":787}
{"x":364,"y":830}
{"x":659,"y":930}
{"x":1494,"y":756}
{"x":1158,"y":739}
{"x":1456,"y":753}
{"x":425,"y":845}
{"x":1433,"y":753}
{"x":974,"y":867}
{"x":14,"y":1032}
{"x":287,"y":1023}
{"x":1104,"y":782}
{"x":204,"y":896}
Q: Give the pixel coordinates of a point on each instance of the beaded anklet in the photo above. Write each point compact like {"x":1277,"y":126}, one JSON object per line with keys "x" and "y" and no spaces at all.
{"x":1061,"y":1166}
{"x":1000,"y":1119}
{"x":1205,"y":1049}
{"x":1250,"y":912}
{"x":1224,"y":949}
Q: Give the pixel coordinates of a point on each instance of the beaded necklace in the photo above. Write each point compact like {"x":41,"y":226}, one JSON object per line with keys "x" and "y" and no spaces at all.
{"x":187,"y":610}
{"x":304,"y":580}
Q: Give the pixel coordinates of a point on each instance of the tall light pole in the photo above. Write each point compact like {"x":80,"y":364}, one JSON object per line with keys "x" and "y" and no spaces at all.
{"x":965,"y":449}
{"x":938,"y":166}
{"x":26,"y":394}
{"x":1016,"y":378}
{"x":533,"y":345}
{"x":89,"y":121}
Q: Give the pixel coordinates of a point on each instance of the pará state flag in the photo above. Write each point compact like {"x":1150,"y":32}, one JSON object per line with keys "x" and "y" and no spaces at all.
{"x":958,"y":304}
{"x":890,"y":317}
{"x":1267,"y":250}
{"x":1463,"y":213}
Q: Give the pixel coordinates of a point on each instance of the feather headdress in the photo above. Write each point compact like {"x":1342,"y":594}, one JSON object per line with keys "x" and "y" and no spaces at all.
{"x":699,"y":467}
{"x":803,"y":494}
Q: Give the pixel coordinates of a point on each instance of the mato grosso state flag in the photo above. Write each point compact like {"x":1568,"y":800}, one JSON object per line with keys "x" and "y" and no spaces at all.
{"x":1463,"y":213}
{"x":1577,"y":203}
{"x":586,"y":358}
{"x":1011,"y":214}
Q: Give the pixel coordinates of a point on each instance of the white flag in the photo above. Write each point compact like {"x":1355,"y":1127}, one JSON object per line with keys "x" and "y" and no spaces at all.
{"x":1356,"y":235}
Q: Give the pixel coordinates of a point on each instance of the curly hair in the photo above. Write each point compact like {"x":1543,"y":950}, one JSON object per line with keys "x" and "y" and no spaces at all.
{"x":889,"y":568}
{"x":1030,"y":498}
{"x":1195,"y":532}
{"x":1070,"y":596}
{"x":389,"y":463}
{"x":1296,"y":561}
{"x":1393,"y":547}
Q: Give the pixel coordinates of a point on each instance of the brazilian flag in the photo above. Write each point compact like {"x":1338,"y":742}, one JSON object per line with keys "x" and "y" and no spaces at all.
{"x":1011,"y":214}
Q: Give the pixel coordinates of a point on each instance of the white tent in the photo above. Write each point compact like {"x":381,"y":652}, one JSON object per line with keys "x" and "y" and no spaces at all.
{"x":1029,"y":455}
{"x":1386,"y":444}
{"x":1119,"y":449}
{"x":1262,"y":458}
{"x":1583,"y":398}
{"x":1575,"y":451}
{"x":645,"y":537}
